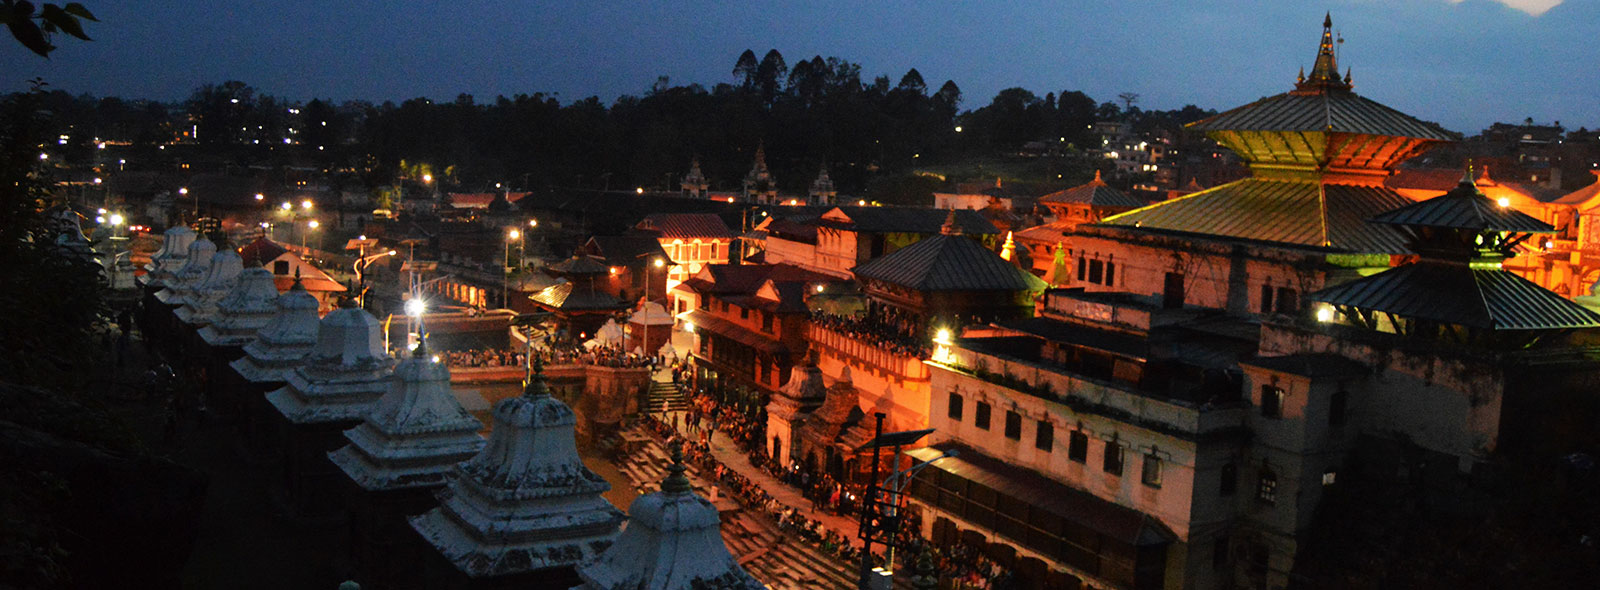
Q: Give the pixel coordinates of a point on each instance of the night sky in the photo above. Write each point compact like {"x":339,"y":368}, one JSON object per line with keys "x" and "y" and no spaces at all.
{"x":1464,"y":64}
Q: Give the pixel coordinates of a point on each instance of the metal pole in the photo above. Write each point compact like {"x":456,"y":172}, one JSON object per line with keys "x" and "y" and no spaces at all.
{"x":865,"y":575}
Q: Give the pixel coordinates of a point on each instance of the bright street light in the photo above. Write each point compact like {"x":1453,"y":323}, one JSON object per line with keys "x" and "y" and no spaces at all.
{"x":415,"y":307}
{"x":533,"y":223}
{"x":116,"y":219}
{"x":660,"y":263}
{"x":286,"y":206}
{"x":183,"y":191}
{"x":427,"y":178}
{"x":513,"y":235}
{"x":306,"y":204}
{"x":313,"y":224}
{"x":260,"y":196}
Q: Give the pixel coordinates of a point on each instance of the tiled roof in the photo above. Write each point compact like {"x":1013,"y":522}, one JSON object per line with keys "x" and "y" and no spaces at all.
{"x":905,"y":220}
{"x":1094,"y":193}
{"x":1582,"y":195}
{"x":687,"y":226}
{"x":948,"y":263}
{"x":1463,"y":208}
{"x":624,"y":250}
{"x":1333,"y":111}
{"x":578,"y":265}
{"x":747,"y":278}
{"x":1456,"y":294}
{"x":1431,"y":179}
{"x":1300,"y":213}
{"x":706,"y":322}
{"x":1048,"y":233}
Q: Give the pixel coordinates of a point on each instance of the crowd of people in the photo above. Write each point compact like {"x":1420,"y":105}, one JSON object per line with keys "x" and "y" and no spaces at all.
{"x":477,"y":357}
{"x":891,"y":337}
{"x":609,"y":356}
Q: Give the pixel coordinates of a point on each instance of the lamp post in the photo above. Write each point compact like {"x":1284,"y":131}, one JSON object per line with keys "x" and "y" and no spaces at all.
{"x":183,"y":191}
{"x":310,"y":226}
{"x":361,"y":275}
{"x":505,"y":269}
{"x":659,"y":264}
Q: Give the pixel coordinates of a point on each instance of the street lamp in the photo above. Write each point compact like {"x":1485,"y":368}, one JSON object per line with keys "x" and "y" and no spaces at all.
{"x":310,"y":225}
{"x":361,"y":275}
{"x":184,"y":191}
{"x":306,"y":204}
{"x":505,"y":269}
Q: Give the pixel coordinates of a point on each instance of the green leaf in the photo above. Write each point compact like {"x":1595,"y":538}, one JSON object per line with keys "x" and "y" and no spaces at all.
{"x":54,"y":15}
{"x":31,"y":37}
{"x":76,"y":9}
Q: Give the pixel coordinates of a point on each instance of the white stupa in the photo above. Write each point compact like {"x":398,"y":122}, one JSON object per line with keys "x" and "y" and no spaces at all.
{"x":200,"y":307}
{"x":283,"y":344}
{"x":526,"y":502}
{"x":248,"y":308}
{"x":415,"y":434}
{"x":673,"y":542}
{"x":174,"y":252}
{"x":187,"y":278}
{"x":345,"y":374}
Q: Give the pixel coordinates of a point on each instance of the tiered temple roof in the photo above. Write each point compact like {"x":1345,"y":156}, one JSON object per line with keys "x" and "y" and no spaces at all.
{"x":803,"y":394}
{"x":200,"y":307}
{"x":673,"y":542}
{"x":948,"y":262}
{"x":1318,"y":156}
{"x":415,"y":434}
{"x":186,"y":279}
{"x":343,"y":376}
{"x":1095,"y":193}
{"x":282,"y":345}
{"x":248,"y":308}
{"x":174,"y":252}
{"x":526,"y":502}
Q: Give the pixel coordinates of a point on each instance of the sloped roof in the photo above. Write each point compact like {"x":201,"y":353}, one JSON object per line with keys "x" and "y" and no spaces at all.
{"x":687,"y":226}
{"x":1333,"y":112}
{"x":623,"y":250}
{"x":579,"y":265}
{"x":260,"y":252}
{"x":903,"y":220}
{"x":1313,"y":364}
{"x":948,"y":263}
{"x":706,"y":322}
{"x":1463,"y":208}
{"x":579,"y":296}
{"x":1431,"y":179}
{"x":1048,"y":233}
{"x":1095,"y":193}
{"x":1582,"y":195}
{"x":747,"y":278}
{"x":482,"y":200}
{"x":1279,"y":211}
{"x":1456,"y":294}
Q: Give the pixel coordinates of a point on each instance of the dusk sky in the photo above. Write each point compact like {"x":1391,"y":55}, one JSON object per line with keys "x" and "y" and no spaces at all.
{"x":1464,"y":64}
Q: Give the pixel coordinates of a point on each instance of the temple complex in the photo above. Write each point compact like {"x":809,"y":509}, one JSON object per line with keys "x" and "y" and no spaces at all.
{"x":342,"y":378}
{"x":525,"y":510}
{"x":397,"y":457}
{"x":673,"y":542}
{"x":580,"y":304}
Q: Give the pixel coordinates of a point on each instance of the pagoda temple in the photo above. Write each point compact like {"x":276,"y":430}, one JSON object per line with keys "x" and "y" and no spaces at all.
{"x":945,"y":276}
{"x":760,"y":186}
{"x":525,"y":510}
{"x":276,"y":351}
{"x":397,"y":458}
{"x":342,"y":379}
{"x":580,"y":304}
{"x":790,"y":408}
{"x":673,"y":542}
{"x":1458,"y":291}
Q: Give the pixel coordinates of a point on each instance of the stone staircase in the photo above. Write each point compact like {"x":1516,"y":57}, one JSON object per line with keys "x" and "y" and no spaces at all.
{"x":753,"y":537}
{"x":665,"y":391}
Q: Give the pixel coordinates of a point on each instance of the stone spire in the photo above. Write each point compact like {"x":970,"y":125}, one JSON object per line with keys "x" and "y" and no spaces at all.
{"x":174,"y":252}
{"x":1325,"y":69}
{"x":673,"y":542}
{"x":194,"y":270}
{"x":759,"y":185}
{"x":416,"y":432}
{"x":1009,"y":248}
{"x":950,"y":227}
{"x":526,"y":502}
{"x":345,"y":374}
{"x":284,"y":342}
{"x":695,"y":183}
{"x":246,"y":309}
{"x":822,"y":190}
{"x":200,"y":307}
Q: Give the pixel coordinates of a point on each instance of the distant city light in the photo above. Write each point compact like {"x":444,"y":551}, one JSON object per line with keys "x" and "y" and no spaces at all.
{"x":533,"y":223}
{"x":427,"y":178}
{"x":639,"y":190}
{"x":286,"y":206}
{"x":313,"y":224}
{"x":306,"y":204}
{"x":97,"y":180}
{"x":183,"y":191}
{"x":101,"y":211}
{"x":116,"y":219}
{"x":514,"y":234}
{"x":260,"y":196}
{"x":44,"y":156}
{"x":100,"y":219}
{"x":958,"y":129}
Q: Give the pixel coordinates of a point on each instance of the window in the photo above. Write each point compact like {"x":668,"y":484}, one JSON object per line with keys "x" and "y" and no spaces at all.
{"x":280,"y":267}
{"x":1271,"y":401}
{"x":1230,"y":480}
{"x":1329,"y":477}
{"x":1267,"y":487}
{"x":1013,"y":425}
{"x":1113,"y":458}
{"x":954,"y":410}
{"x":1111,"y":273}
{"x":1083,"y":268}
{"x":714,"y":248}
{"x":1078,"y":446}
{"x":981,"y":417}
{"x":1266,"y":299}
{"x":744,"y":313}
{"x":1150,"y":472}
{"x":1337,"y":407}
{"x":705,"y":303}
{"x":1044,"y":437}
{"x":1096,"y":271}
{"x":1287,"y":301}
{"x":766,"y":322}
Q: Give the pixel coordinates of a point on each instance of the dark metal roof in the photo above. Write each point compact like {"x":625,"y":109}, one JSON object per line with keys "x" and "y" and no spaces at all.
{"x":1108,"y":518}
{"x":706,"y":322}
{"x":1464,"y":208}
{"x":1302,"y":213}
{"x":581,"y":296}
{"x":1456,"y":294}
{"x":1333,"y":111}
{"x":687,"y":226}
{"x":948,"y":263}
{"x":579,"y":265}
{"x":1095,"y":193}
{"x":906,"y":220}
{"x":1310,"y":365}
{"x":260,"y":252}
{"x":625,"y":250}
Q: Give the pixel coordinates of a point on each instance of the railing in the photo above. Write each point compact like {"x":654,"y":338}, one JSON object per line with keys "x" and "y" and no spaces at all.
{"x":898,"y":362}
